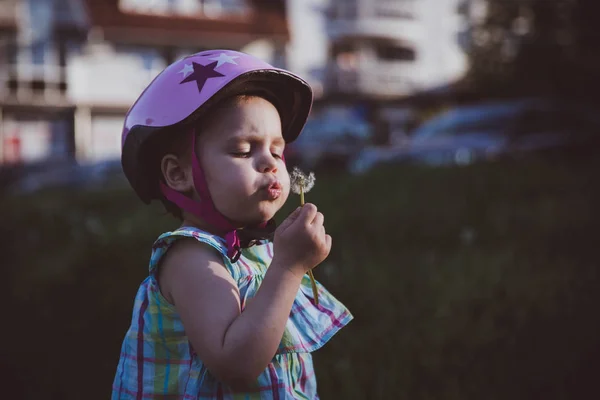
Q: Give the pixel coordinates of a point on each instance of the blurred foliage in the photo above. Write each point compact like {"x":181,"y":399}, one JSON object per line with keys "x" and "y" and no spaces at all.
{"x":533,"y":47}
{"x":466,"y":283}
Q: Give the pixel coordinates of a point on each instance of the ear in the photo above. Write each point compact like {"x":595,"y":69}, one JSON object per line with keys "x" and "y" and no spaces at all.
{"x":177,"y":173}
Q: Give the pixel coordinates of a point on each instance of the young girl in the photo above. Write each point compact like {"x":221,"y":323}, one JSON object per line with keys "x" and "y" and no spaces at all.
{"x":227,"y":310}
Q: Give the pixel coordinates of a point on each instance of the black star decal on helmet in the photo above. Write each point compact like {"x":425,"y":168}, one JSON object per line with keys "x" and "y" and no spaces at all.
{"x":201,"y":74}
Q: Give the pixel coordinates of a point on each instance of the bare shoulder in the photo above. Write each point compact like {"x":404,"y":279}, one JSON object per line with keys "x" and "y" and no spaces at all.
{"x":186,"y":250}
{"x":188,"y":259}
{"x":193,"y":278}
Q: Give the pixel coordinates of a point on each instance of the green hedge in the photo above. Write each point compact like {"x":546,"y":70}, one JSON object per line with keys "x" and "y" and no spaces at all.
{"x":465,"y":283}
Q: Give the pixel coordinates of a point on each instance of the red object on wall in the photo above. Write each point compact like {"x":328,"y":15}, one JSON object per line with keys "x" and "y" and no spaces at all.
{"x":12,"y":150}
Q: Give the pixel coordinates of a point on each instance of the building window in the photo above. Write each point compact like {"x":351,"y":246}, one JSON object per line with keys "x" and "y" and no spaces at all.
{"x":404,"y":9}
{"x":151,"y":58}
{"x":62,"y":11}
{"x":347,"y":10}
{"x":39,"y":33}
{"x":389,"y":52}
{"x":209,"y":8}
{"x":345,"y":55}
{"x":146,"y":6}
{"x":218,"y":7}
{"x":29,"y":138}
{"x":72,"y":47}
{"x":8,"y":48}
{"x":39,"y":49}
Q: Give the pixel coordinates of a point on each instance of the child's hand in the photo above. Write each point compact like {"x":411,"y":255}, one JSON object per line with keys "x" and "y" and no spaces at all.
{"x":300,"y":242}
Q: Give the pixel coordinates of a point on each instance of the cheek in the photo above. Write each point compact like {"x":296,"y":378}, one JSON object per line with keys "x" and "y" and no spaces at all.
{"x":215,"y":175}
{"x":284,"y":180}
{"x":224,"y":182}
{"x":228,"y":183}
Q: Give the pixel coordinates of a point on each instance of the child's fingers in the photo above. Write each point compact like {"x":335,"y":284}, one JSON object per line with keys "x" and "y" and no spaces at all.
{"x":290,"y":218}
{"x":318,"y":220}
{"x":308,"y":213}
{"x":294,"y":215}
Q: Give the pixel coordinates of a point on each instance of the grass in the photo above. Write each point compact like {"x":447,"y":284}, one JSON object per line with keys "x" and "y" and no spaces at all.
{"x":465,"y":283}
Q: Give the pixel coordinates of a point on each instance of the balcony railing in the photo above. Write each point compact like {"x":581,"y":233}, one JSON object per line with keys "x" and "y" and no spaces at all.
{"x":208,"y":8}
{"x":357,"y":9}
{"x":30,"y":83}
{"x":405,"y":9}
{"x":378,"y":80}
{"x":392,"y":28}
{"x":344,"y":10}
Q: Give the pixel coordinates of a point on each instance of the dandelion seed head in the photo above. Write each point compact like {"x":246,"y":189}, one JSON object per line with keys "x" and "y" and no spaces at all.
{"x":299,"y":180}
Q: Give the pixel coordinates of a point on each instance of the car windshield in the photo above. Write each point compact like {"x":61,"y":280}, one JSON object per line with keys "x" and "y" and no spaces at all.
{"x":320,"y":130}
{"x":479,"y":119}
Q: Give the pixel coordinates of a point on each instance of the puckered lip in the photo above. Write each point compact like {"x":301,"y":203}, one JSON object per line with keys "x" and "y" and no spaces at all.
{"x":272,"y":184}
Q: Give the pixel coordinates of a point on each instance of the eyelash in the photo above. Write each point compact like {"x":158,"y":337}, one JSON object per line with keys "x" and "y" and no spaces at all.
{"x":246,"y":154}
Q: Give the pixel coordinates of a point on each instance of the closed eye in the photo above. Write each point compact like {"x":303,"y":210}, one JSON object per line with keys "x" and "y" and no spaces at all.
{"x":241,"y":154}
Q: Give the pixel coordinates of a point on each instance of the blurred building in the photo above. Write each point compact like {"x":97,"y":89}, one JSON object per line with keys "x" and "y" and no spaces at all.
{"x":383,"y":52}
{"x":69,"y":69}
{"x":308,"y":46}
{"x":383,"y":49}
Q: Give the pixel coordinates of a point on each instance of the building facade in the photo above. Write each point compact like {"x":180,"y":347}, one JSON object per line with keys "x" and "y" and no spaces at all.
{"x":383,"y":49}
{"x":70,"y":69}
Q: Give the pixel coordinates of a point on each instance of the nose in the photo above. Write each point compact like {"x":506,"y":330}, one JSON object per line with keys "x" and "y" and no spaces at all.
{"x":268,"y":163}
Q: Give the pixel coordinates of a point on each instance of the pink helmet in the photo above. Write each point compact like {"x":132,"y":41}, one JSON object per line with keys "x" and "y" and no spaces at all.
{"x":177,"y":99}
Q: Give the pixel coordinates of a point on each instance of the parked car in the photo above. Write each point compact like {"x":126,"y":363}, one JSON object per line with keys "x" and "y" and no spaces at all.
{"x":51,"y":174}
{"x":492,"y":130}
{"x":329,"y":139}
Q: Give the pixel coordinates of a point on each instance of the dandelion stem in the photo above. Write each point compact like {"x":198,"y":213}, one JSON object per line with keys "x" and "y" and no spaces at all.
{"x":300,"y":184}
{"x":313,"y":284}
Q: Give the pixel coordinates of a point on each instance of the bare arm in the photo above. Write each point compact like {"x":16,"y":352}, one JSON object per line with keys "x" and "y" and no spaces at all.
{"x":237,"y":346}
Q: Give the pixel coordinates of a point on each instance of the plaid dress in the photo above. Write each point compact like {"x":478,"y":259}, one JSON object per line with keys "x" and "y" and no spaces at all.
{"x":158,"y":362}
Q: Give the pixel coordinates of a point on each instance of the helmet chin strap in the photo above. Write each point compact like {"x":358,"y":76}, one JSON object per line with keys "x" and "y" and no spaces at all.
{"x":206,"y":209}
